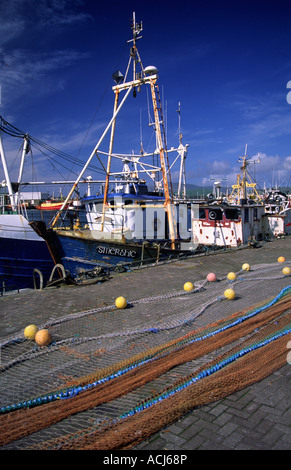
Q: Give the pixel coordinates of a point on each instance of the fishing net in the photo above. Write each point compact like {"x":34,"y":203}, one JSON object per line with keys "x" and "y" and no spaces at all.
{"x":111,"y":378}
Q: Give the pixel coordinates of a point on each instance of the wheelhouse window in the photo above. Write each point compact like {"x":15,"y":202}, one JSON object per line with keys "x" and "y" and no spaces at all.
{"x":246,"y":214}
{"x":231,"y":214}
{"x":215,"y":214}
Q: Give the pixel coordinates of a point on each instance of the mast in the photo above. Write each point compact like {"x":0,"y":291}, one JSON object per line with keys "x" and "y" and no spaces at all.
{"x":24,"y":152}
{"x":182,"y":150}
{"x":139,"y":79}
{"x":136,"y":28}
{"x":109,"y":162}
{"x":7,"y":178}
{"x":242,"y":183}
{"x":163,"y":156}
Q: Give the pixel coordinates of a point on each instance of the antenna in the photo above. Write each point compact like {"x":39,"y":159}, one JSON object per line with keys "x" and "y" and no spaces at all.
{"x":179,"y":127}
{"x":136,"y":29}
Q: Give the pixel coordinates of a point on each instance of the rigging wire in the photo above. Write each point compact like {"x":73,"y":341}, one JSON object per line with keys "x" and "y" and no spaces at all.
{"x":11,"y":130}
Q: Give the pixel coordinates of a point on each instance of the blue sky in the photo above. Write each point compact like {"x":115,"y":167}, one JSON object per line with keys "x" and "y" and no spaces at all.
{"x":227,"y":62}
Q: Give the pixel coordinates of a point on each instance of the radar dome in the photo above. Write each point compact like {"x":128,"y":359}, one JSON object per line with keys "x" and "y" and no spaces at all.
{"x":151,"y":70}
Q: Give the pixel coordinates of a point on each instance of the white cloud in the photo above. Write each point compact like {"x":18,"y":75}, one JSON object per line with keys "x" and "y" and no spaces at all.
{"x":287,"y":164}
{"x":18,"y":16}
{"x":264,"y":169}
{"x":266,"y":162}
{"x":26,"y":62}
{"x":26,"y":71}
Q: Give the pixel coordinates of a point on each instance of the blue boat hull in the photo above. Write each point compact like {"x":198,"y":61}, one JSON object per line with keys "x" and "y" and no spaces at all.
{"x":78,"y":255}
{"x":18,"y":260}
{"x":80,"y":252}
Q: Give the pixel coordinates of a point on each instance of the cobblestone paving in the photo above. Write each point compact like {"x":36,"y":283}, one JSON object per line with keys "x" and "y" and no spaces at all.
{"x":256,"y":418}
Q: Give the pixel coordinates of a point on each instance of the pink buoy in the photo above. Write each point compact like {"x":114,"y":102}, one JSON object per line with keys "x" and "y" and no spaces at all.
{"x":211,"y":277}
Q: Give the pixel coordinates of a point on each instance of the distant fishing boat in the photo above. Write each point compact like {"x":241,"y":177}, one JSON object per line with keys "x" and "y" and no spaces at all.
{"x":243,"y":217}
{"x":51,"y":205}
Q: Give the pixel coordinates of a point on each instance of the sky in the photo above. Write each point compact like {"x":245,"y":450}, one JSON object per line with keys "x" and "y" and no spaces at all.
{"x":227,"y":63}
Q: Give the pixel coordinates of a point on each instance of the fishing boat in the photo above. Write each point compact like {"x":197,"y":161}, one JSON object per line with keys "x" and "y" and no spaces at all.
{"x":277,"y":217}
{"x":25,"y":261}
{"x":228,"y":225}
{"x":234,"y":220}
{"x":51,"y":205}
{"x":131,"y":225}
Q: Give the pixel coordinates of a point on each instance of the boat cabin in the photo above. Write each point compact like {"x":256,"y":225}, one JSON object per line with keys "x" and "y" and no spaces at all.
{"x":277,"y":224}
{"x":223,"y":225}
{"x":137,"y":214}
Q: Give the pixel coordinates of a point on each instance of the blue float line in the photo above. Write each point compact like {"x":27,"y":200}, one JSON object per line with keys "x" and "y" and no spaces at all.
{"x":220,"y":365}
{"x":70,"y":393}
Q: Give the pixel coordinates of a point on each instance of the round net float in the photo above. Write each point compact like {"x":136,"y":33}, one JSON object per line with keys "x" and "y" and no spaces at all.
{"x":30,"y":331}
{"x":43,"y":337}
{"x":211,"y":277}
{"x":246,"y":267}
{"x":188,"y":286}
{"x":120,"y":302}
{"x":286,"y":271}
{"x":281,"y":259}
{"x":229,"y":294}
{"x":231,"y":276}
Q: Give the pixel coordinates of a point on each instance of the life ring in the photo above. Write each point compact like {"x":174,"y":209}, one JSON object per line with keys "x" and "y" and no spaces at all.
{"x":277,"y":209}
{"x":212,"y":215}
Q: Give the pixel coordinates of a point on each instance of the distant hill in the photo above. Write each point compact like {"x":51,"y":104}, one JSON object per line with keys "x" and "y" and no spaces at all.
{"x":194,"y":190}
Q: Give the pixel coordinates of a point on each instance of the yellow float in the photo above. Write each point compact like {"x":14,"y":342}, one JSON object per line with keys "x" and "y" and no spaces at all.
{"x":30,"y":332}
{"x":229,"y":294}
{"x":286,"y":271}
{"x":188,"y":286}
{"x":120,"y":302}
{"x":231,"y":276}
{"x":246,"y":267}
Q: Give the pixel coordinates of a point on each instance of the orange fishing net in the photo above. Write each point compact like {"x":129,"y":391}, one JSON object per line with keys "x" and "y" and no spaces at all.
{"x":270,"y":328}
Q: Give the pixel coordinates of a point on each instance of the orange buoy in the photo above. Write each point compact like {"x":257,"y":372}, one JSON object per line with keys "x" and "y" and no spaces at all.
{"x":43,"y":337}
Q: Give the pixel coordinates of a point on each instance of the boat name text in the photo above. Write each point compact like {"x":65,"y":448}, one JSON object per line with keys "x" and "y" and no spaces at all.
{"x":106,"y":250}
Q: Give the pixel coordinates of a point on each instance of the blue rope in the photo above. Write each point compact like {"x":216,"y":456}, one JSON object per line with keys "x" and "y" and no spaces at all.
{"x":205,"y":373}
